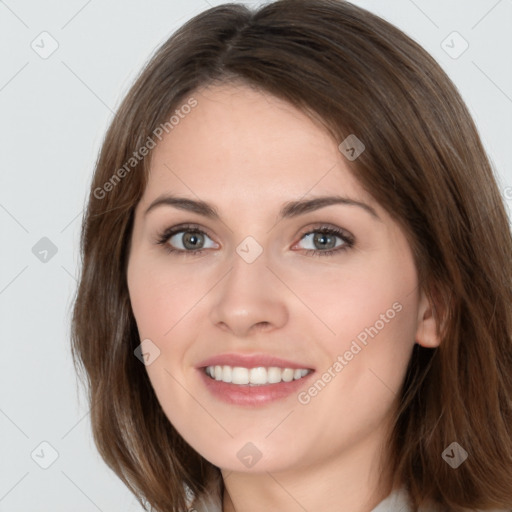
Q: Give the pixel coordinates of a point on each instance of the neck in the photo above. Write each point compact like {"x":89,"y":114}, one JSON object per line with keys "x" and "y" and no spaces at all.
{"x":354,"y":481}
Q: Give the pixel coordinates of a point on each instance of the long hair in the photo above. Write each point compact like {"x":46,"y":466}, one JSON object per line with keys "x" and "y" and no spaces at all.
{"x":424,"y":163}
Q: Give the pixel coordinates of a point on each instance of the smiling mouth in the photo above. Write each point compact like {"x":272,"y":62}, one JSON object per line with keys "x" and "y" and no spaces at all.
{"x":259,"y":376}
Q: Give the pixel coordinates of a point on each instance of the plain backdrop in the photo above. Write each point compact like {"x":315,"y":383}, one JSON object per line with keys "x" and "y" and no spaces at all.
{"x":65,"y":67}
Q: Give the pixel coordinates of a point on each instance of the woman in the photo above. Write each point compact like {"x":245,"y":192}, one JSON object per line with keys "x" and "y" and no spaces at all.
{"x":297,"y":278}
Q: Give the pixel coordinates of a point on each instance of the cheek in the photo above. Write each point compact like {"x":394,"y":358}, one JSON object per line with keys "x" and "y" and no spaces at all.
{"x":162,"y":300}
{"x":366,"y":292}
{"x":161,"y":296}
{"x":373,"y":313}
{"x":370,"y":307}
{"x":380,"y":306}
{"x":167,"y":306}
{"x":376,"y":325}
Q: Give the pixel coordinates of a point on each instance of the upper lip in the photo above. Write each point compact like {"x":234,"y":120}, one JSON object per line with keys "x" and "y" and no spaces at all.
{"x":251,"y":361}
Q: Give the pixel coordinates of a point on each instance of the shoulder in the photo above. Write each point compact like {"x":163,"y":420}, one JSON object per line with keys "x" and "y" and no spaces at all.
{"x":398,"y":501}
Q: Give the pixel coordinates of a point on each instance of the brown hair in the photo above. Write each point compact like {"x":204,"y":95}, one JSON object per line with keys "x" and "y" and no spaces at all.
{"x":424,"y":163}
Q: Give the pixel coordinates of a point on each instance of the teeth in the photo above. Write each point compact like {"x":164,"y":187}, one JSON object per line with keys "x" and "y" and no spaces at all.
{"x":239,"y":375}
{"x":274,"y":375}
{"x":258,"y":375}
{"x":255,"y":376}
{"x":227,"y":373}
{"x":287,"y":374}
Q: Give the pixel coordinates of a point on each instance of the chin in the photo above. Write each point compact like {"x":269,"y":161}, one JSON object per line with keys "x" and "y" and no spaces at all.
{"x":245,"y":456}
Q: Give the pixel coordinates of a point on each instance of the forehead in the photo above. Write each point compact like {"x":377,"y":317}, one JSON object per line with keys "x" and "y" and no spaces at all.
{"x":239,"y":144}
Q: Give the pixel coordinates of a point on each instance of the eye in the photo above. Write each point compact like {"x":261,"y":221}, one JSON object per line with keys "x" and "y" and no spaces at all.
{"x":325,"y":238}
{"x":188,"y":239}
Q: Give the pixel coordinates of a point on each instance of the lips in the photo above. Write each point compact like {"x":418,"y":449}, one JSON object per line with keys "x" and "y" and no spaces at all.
{"x":248,"y":389}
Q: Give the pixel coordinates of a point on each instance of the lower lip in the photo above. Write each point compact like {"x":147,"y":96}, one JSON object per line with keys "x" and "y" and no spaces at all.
{"x":237,"y":394}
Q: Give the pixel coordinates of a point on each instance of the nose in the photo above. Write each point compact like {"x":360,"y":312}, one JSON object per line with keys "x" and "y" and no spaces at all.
{"x":249,"y":299}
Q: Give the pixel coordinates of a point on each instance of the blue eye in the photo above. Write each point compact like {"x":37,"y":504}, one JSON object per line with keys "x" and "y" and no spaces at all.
{"x":188,"y":236}
{"x":192,"y":239}
{"x":325,"y":237}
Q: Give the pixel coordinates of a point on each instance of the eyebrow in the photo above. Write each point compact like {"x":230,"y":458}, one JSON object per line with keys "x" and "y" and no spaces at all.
{"x":289,"y":209}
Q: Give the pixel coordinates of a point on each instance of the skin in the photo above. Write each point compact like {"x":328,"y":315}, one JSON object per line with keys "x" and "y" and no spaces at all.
{"x":248,"y":153}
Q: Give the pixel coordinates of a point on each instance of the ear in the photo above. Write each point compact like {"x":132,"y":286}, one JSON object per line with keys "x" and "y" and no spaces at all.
{"x":427,"y":332}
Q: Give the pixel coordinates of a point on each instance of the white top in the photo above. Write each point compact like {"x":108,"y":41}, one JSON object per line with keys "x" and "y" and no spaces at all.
{"x":397,"y":501}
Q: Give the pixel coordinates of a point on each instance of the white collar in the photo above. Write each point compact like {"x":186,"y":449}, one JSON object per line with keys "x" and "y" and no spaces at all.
{"x":397,"y":501}
{"x":211,"y":501}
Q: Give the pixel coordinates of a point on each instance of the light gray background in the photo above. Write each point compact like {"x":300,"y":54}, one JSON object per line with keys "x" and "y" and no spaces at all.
{"x":54,"y":113}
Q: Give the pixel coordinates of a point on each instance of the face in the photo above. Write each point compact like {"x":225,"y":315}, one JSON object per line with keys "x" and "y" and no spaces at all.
{"x":325,"y":298}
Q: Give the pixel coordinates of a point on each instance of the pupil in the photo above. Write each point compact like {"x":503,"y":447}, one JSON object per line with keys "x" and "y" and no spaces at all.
{"x":322,"y":237}
{"x":191,"y":238}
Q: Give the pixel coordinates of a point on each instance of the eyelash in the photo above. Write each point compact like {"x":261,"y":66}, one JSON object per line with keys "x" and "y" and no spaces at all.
{"x":164,"y":236}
